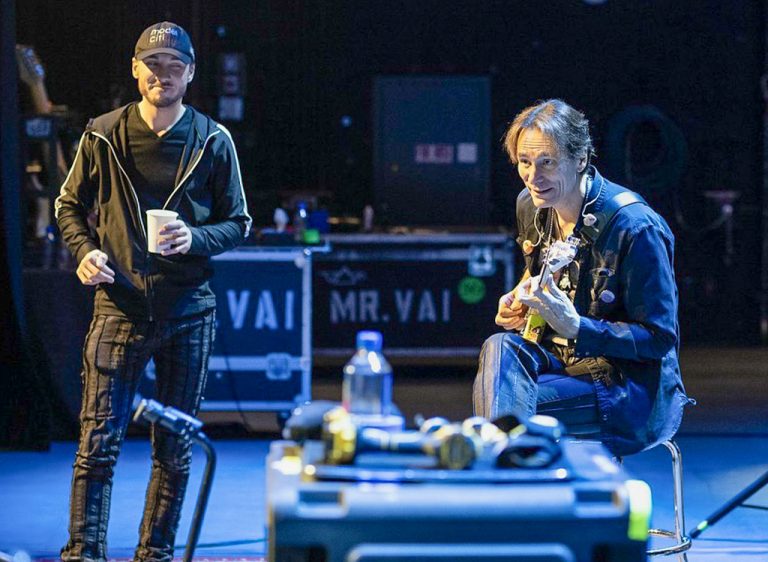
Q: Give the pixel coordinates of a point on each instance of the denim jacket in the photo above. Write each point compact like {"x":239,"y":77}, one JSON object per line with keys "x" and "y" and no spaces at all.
{"x":627,"y":298}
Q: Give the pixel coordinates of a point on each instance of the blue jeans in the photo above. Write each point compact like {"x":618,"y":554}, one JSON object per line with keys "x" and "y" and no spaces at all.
{"x":115,"y":353}
{"x":517,"y":376}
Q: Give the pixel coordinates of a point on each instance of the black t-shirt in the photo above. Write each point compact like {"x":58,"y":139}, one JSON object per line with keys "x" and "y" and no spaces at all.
{"x":153,"y":163}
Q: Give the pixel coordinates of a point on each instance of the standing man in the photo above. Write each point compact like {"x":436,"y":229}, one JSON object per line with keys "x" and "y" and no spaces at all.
{"x":154,"y":154}
{"x":607,"y":362}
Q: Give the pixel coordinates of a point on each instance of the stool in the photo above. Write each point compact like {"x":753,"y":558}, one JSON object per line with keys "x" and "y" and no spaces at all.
{"x":682,"y":541}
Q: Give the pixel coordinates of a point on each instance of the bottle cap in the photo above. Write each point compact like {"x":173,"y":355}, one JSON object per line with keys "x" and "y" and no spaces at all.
{"x":370,"y":340}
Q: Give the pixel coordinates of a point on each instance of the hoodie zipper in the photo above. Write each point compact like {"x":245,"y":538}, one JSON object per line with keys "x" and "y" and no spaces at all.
{"x":191,"y":169}
{"x":148,"y":289}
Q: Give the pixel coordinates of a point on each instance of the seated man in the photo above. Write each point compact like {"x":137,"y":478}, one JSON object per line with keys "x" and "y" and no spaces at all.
{"x":606,"y":362}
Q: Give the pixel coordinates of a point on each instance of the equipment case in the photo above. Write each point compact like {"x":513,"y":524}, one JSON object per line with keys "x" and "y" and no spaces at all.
{"x":584,"y":509}
{"x":262,"y":356}
{"x":433,"y":296}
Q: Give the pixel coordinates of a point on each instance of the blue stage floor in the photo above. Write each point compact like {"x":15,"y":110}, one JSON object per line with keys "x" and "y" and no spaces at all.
{"x":34,"y":491}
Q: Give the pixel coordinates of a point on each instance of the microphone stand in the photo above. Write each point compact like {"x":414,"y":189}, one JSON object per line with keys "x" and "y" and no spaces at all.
{"x":186,"y":427}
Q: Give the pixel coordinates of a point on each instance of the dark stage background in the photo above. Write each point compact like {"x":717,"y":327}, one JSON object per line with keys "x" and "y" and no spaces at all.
{"x":677,"y":82}
{"x":672,"y":89}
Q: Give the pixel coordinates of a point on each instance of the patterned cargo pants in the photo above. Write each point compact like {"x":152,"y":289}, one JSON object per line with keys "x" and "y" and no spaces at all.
{"x":115,"y":354}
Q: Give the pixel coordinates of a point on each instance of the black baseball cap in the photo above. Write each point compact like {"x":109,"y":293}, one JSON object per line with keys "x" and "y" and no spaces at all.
{"x":165,"y":37}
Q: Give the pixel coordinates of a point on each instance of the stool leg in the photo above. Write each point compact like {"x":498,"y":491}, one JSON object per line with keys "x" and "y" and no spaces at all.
{"x":683,"y":542}
{"x":677,"y":478}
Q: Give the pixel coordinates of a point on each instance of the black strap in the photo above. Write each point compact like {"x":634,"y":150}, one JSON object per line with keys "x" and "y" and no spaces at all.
{"x":606,"y":214}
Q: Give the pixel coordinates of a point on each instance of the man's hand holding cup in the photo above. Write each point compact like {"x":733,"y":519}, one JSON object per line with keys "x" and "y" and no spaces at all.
{"x":175,"y":238}
{"x":166,"y":234}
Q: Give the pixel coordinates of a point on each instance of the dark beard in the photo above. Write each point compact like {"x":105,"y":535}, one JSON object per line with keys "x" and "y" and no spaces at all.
{"x":164,"y":101}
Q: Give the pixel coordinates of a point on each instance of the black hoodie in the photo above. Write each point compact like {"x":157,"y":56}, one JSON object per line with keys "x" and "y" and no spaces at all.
{"x":209,"y":199}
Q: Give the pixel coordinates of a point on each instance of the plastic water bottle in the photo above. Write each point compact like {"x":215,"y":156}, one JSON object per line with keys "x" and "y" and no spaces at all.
{"x":367,"y":388}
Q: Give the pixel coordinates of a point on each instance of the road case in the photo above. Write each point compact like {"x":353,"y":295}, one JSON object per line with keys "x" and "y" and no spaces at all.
{"x":433,"y":296}
{"x":432,"y":149}
{"x":262,"y":356}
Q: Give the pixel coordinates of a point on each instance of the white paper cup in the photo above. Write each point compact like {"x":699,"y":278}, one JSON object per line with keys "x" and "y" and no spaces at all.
{"x":156,"y":218}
